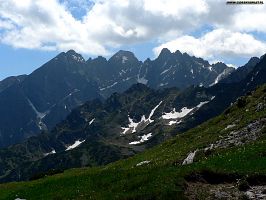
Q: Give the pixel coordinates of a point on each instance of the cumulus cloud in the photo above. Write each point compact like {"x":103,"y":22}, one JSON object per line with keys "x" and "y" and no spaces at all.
{"x":106,"y":24}
{"x":49,"y":25}
{"x":45,"y":24}
{"x":217,"y":44}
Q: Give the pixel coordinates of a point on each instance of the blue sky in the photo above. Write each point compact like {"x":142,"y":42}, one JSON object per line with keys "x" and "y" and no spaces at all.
{"x":34,"y":31}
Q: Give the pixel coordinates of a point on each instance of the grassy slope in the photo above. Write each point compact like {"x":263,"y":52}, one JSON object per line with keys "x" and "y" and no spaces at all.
{"x":163,"y":177}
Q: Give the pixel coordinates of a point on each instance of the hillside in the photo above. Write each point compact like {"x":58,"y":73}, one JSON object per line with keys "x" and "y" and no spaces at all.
{"x":222,"y":158}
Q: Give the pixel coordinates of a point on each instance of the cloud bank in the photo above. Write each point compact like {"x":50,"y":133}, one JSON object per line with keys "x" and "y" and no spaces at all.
{"x":217,"y":44}
{"x":106,"y":24}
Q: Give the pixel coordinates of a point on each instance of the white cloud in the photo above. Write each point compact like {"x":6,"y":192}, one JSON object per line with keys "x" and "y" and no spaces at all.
{"x":47,"y":24}
{"x":217,"y":44}
{"x":107,"y":24}
{"x":5,"y":25}
{"x":247,"y":18}
{"x":231,"y":65}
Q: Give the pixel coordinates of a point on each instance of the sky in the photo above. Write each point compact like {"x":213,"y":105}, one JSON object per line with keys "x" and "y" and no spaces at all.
{"x":34,"y":31}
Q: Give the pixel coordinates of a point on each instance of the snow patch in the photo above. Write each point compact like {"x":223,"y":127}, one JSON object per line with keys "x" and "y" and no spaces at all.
{"x":182,"y":113}
{"x":165,"y":71}
{"x":142,"y":139}
{"x":125,"y":130}
{"x":202,"y":103}
{"x":133,"y":125}
{"x":91,"y":121}
{"x":142,"y":80}
{"x":110,"y":86}
{"x":143,"y":162}
{"x":189,"y":159}
{"x":39,"y":116}
{"x":124,"y":59}
{"x":78,"y":58}
{"x":163,"y":84}
{"x":75,"y":145}
{"x":174,"y":122}
{"x":175,"y":115}
{"x":219,"y":77}
{"x":49,"y":153}
{"x":152,"y":112}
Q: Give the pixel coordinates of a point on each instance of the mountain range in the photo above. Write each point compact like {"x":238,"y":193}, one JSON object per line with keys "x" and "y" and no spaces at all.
{"x":35,"y":103}
{"x":223,"y":158}
{"x":102,"y":131}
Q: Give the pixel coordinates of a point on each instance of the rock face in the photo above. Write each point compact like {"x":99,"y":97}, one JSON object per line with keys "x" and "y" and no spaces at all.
{"x":189,"y":159}
{"x":240,"y":137}
{"x":44,"y":98}
{"x":35,"y":103}
{"x":224,"y":191}
{"x":6,"y":83}
{"x":241,"y":72}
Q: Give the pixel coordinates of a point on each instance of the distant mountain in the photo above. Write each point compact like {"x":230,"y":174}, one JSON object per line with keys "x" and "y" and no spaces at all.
{"x":6,"y":83}
{"x":168,"y":70}
{"x":180,"y":70}
{"x":35,"y":103}
{"x":116,"y":74}
{"x":44,"y":98}
{"x":241,"y":72}
{"x":100,"y":132}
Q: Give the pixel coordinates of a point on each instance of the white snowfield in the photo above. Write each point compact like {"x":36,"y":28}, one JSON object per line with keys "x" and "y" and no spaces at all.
{"x":75,"y":145}
{"x":142,"y":139}
{"x":134,"y":125}
{"x":174,"y":115}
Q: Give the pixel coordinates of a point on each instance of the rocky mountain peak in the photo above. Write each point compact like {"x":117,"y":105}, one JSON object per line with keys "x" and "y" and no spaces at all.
{"x":75,"y":56}
{"x":219,"y":67}
{"x":165,"y":53}
{"x":123,"y":56}
{"x":253,"y":61}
